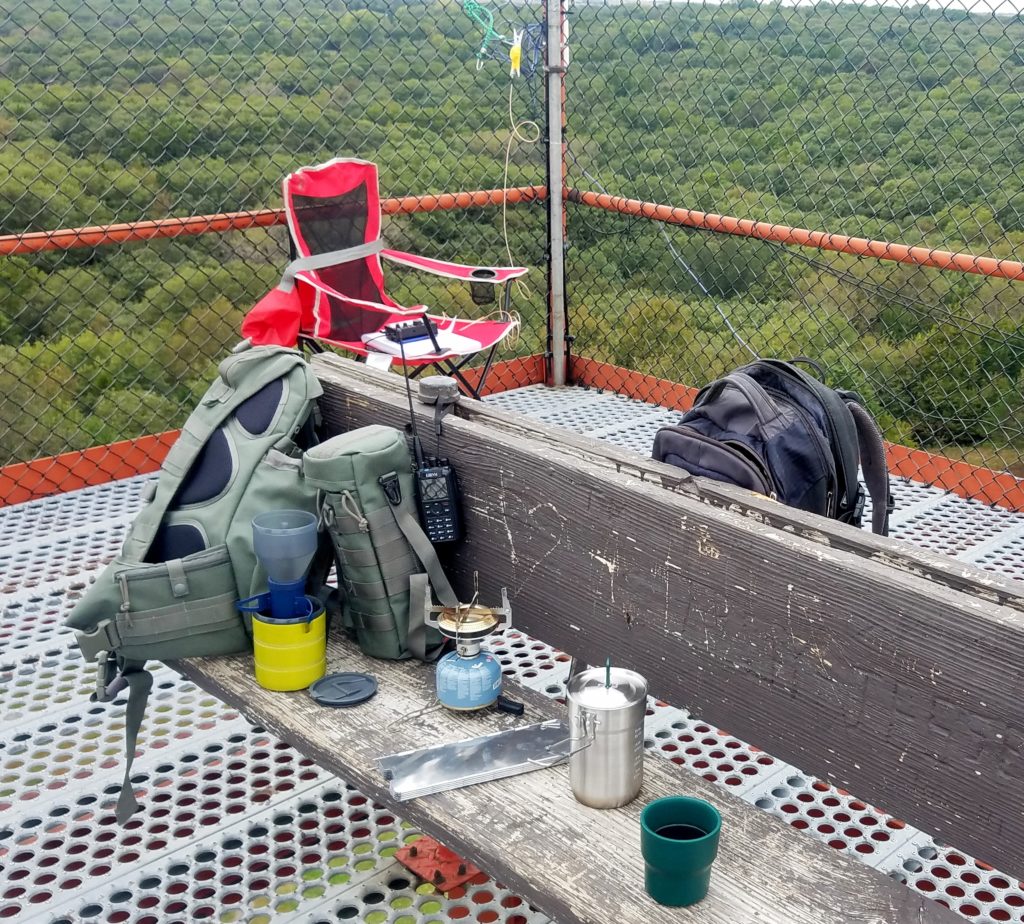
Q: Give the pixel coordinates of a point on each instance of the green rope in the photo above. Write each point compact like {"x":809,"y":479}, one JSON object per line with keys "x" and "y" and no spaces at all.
{"x":484,"y":18}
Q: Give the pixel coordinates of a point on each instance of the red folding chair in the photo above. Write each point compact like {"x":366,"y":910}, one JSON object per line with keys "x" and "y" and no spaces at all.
{"x":333,"y":292}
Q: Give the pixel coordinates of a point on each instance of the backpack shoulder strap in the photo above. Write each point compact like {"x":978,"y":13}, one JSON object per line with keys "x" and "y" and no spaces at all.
{"x":139,"y":682}
{"x":112,"y":677}
{"x":241,"y":376}
{"x":324,"y":559}
{"x":419,"y":593}
{"x":418,"y":583}
{"x":872,"y":462}
{"x":424,"y":550}
{"x":833,"y":402}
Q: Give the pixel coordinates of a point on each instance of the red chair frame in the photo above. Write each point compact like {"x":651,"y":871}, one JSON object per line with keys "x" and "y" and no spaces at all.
{"x":333,"y":291}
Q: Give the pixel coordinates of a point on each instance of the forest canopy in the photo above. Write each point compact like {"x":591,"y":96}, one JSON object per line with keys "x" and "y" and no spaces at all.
{"x":899,"y":124}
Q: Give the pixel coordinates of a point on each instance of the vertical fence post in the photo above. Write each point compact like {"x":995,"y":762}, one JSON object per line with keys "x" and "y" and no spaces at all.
{"x":555,"y":93}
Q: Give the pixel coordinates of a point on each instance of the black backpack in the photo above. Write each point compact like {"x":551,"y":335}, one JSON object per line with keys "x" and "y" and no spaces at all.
{"x":772,"y":428}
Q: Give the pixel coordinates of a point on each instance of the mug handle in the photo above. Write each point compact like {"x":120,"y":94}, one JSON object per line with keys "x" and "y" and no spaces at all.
{"x":554,"y":761}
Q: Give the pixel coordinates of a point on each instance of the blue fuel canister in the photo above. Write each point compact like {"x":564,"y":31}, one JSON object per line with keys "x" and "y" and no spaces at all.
{"x":470,"y":680}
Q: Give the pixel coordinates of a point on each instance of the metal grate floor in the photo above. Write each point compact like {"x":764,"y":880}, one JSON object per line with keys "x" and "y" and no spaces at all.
{"x":237,"y":826}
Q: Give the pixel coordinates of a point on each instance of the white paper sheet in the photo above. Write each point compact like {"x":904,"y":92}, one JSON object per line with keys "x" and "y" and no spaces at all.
{"x":418,"y":349}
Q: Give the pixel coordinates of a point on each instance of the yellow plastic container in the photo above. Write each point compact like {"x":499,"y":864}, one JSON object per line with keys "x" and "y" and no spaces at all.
{"x":290,"y":654}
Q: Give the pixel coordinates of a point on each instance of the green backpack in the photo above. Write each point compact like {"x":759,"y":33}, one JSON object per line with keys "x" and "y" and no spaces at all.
{"x":385,"y":560}
{"x":188,"y":557}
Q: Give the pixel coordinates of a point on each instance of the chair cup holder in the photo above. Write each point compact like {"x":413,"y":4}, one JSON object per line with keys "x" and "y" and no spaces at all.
{"x":482,"y":293}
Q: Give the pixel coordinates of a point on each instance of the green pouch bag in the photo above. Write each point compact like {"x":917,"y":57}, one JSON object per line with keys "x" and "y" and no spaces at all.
{"x":369,"y":510}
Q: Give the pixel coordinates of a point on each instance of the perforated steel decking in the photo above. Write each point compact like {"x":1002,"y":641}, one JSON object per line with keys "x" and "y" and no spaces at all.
{"x":237,"y":826}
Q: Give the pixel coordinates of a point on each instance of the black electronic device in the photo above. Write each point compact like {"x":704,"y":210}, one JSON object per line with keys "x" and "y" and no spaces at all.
{"x":437,"y":487}
{"x":418,"y":329}
{"x":437,"y":490}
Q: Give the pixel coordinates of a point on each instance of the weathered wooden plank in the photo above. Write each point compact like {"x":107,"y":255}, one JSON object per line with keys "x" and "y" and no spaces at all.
{"x":891,"y":685}
{"x":575,"y":863}
{"x":943,"y":569}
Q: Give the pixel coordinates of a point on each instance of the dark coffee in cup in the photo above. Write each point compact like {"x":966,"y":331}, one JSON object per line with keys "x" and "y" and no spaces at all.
{"x":681,"y":832}
{"x":679,"y":840}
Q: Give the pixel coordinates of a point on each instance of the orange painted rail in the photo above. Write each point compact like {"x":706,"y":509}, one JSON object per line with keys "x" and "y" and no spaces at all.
{"x":126,"y":232}
{"x":801,"y":237}
{"x":507,"y":374}
{"x":25,"y":481}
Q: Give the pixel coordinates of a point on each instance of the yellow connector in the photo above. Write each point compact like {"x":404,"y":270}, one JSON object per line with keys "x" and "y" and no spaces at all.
{"x":515,"y":53}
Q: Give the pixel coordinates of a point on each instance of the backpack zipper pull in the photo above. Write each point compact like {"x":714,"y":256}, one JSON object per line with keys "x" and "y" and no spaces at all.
{"x":126,"y":603}
{"x":122,"y":582}
{"x":348,"y":503}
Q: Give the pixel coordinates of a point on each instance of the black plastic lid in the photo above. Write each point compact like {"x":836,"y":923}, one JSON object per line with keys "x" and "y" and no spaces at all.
{"x":344,"y":689}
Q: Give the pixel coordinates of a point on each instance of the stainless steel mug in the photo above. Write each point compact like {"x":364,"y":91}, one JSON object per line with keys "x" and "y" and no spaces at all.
{"x":606,"y":725}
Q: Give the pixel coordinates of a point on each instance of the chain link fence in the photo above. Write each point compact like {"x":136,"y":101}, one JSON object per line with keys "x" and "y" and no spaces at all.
{"x":895,"y":123}
{"x":148,"y":109}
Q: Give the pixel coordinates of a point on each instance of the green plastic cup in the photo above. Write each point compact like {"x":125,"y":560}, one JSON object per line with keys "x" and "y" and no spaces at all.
{"x":679,"y":841}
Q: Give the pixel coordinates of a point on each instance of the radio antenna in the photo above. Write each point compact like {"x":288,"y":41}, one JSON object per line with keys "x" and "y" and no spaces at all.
{"x":417,"y":449}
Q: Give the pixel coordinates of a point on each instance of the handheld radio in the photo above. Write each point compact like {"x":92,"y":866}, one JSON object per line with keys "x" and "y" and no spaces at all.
{"x":437,"y":486}
{"x":437,"y":490}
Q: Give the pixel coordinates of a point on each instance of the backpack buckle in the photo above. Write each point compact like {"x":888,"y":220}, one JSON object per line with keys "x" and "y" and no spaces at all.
{"x":392,"y":488}
{"x":106,"y":677}
{"x":100,"y":641}
{"x":854,"y":516}
{"x":858,"y":507}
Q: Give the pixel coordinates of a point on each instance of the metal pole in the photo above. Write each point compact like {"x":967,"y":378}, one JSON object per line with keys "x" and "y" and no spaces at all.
{"x":555,"y":15}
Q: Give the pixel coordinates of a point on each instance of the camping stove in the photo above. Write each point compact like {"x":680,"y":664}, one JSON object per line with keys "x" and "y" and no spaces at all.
{"x":469,"y":678}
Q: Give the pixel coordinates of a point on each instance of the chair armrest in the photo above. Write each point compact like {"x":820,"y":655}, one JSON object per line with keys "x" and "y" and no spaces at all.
{"x":493,"y":274}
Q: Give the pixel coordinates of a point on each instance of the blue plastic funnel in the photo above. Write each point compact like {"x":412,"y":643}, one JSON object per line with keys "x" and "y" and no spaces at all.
{"x":284,"y":542}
